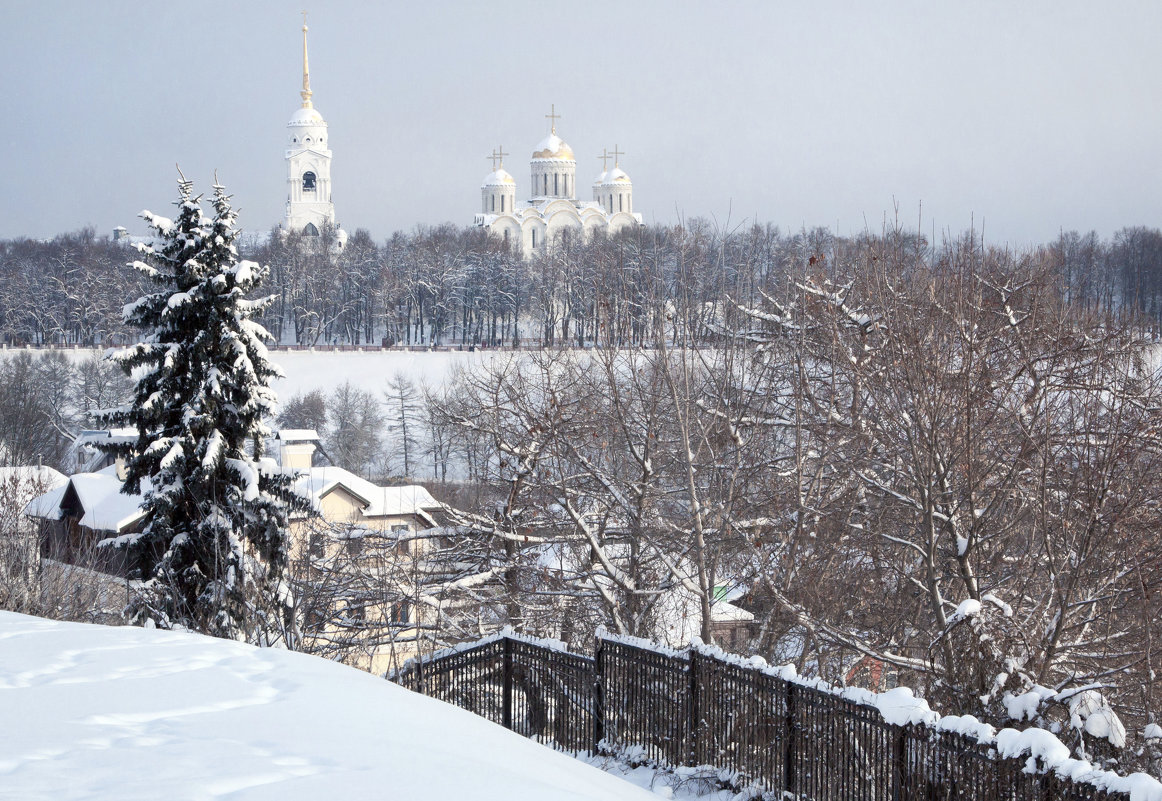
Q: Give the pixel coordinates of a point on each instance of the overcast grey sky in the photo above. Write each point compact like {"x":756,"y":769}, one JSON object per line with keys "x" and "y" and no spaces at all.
{"x":1031,"y":116}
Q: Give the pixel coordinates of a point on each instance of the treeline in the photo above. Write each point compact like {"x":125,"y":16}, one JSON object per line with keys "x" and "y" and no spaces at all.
{"x":449,"y":285}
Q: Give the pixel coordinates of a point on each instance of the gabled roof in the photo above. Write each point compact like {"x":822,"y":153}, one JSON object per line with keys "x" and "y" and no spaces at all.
{"x":102,"y":505}
{"x":377,"y":501}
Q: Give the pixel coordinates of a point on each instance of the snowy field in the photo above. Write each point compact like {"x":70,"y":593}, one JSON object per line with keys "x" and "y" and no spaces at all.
{"x":369,"y":370}
{"x":92,"y":712}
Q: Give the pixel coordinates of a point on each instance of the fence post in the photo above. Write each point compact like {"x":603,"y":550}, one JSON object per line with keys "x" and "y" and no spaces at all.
{"x":506,"y":693}
{"x":695,"y":710}
{"x":598,"y":694}
{"x":899,"y":792}
{"x":789,"y":748}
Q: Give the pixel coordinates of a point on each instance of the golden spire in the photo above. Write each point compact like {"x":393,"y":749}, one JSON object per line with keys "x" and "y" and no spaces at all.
{"x":306,"y":93}
{"x":554,"y":116}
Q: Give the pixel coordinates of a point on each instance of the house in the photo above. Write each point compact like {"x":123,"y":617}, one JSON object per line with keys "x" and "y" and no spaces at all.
{"x":360,"y":542}
{"x":85,"y":511}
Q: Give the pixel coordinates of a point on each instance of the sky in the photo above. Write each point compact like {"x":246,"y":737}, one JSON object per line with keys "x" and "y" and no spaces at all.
{"x":1021,"y":119}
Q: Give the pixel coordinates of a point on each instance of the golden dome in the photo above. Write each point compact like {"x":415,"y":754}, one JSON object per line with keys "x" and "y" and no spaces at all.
{"x":553,"y":147}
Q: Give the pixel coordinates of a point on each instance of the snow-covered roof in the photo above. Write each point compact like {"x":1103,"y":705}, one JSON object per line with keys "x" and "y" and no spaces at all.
{"x":35,"y":475}
{"x":104,"y":506}
{"x":726,"y":612}
{"x":297,"y":435}
{"x":131,"y":713}
{"x":380,"y":501}
{"x":48,"y":505}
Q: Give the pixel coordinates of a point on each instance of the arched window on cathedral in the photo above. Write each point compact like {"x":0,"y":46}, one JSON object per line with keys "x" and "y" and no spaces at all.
{"x":555,"y":190}
{"x":308,"y":182}
{"x":619,"y":207}
{"x":502,"y":210}
{"x":535,"y":230}
{"x":309,"y":229}
{"x":546,"y":184}
{"x":494,"y":202}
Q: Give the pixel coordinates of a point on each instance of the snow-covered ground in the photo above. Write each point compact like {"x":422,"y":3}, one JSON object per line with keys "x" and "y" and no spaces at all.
{"x":94,"y":712}
{"x":370,"y":370}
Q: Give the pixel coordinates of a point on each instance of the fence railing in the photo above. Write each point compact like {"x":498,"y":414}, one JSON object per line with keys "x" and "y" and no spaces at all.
{"x":759,"y":730}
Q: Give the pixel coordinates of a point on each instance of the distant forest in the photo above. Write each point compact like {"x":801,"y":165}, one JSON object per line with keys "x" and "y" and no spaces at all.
{"x":449,"y":285}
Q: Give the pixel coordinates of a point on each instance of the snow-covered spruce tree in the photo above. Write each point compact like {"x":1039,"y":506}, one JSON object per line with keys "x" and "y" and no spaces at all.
{"x":213,"y":552}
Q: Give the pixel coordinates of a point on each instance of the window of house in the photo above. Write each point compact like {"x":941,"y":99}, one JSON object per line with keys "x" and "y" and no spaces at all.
{"x":354,"y":546}
{"x":308,"y":182}
{"x":400,"y":613}
{"x":316,"y":545}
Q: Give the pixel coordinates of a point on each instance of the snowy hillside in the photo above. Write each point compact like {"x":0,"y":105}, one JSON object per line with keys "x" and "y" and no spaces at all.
{"x":91,"y":712}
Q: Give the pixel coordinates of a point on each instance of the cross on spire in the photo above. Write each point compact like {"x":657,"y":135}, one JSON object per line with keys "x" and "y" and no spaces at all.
{"x":554,"y":116}
{"x":498,"y":155}
{"x":616,"y":156}
{"x":604,"y":159}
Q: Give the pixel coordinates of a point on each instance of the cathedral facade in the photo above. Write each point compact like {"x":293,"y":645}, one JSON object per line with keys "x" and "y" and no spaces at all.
{"x":552,"y":211}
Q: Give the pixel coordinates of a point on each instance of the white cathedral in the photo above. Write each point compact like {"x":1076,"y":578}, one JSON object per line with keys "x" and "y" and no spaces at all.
{"x":553,"y":211}
{"x":308,"y":160}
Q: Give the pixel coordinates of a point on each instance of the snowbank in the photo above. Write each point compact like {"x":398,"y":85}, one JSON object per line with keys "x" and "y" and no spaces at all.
{"x":97,"y":712}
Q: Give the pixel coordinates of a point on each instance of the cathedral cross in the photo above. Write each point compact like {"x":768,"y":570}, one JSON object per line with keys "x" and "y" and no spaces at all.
{"x":554,"y":116}
{"x":498,"y":155}
{"x":604,"y":159}
{"x":616,"y":156}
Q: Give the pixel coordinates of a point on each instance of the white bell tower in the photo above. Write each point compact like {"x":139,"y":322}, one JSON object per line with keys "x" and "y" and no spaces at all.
{"x":308,"y":161}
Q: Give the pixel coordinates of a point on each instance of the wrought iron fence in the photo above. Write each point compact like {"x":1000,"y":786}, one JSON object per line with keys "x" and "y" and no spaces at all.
{"x":689,"y":708}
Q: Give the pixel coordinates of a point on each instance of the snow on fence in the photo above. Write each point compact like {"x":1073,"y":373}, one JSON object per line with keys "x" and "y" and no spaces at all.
{"x":760,"y":728}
